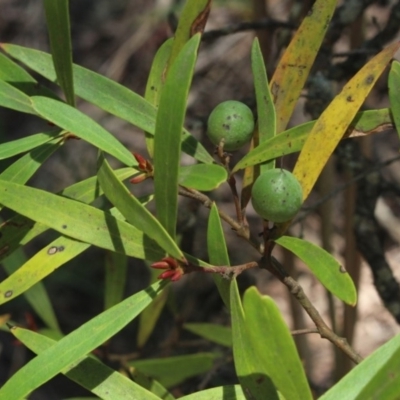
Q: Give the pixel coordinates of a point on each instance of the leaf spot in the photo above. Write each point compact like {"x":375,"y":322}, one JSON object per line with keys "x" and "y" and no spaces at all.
{"x":52,"y":250}
{"x":342,"y":269}
{"x":8,"y":294}
{"x":61,"y":248}
{"x":64,"y":226}
{"x":369,"y":79}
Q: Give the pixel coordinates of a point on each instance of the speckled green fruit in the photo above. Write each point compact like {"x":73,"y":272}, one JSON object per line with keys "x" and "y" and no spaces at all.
{"x":277,"y":195}
{"x":232,"y":121}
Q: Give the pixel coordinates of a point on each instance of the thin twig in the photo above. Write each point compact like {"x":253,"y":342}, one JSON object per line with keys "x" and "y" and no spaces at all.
{"x":297,"y":291}
{"x":304,"y":331}
{"x":207,"y":202}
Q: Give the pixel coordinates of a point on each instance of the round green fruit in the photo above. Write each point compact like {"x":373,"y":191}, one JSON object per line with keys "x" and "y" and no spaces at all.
{"x":277,"y":195}
{"x":232,"y":121}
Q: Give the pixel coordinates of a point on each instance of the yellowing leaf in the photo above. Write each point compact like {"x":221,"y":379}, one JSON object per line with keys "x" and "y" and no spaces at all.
{"x":295,"y":64}
{"x":334,"y":121}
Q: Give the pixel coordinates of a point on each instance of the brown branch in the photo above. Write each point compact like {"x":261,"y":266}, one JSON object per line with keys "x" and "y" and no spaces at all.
{"x":297,"y":291}
{"x":304,"y":331}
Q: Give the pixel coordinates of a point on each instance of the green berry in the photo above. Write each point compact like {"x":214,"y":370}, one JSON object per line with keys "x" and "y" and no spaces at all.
{"x":277,"y":195}
{"x":232,"y":121}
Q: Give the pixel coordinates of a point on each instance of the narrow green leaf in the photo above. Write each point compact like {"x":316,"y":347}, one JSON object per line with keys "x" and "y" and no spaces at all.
{"x":169,"y":123}
{"x":73,"y":348}
{"x":16,"y":76}
{"x":394,"y":93}
{"x":213,"y":332}
{"x":377,"y":377}
{"x":18,"y":230}
{"x":293,"y":139}
{"x":89,"y":189}
{"x":324,"y":266}
{"x":265,"y":104}
{"x":37,"y":295}
{"x":74,"y":121}
{"x":191,"y":21}
{"x":277,"y":353}
{"x":155,"y":83}
{"x":173,"y":370}
{"x":79,"y":221}
{"x":12,"y":98}
{"x":108,"y":95}
{"x":133,"y":210}
{"x":293,"y":68}
{"x":202,"y":177}
{"x":218,"y":253}
{"x":249,"y":369}
{"x":15,"y":147}
{"x":115,"y":278}
{"x":57,"y":19}
{"x":24,"y":168}
{"x":90,"y":373}
{"x":219,"y":393}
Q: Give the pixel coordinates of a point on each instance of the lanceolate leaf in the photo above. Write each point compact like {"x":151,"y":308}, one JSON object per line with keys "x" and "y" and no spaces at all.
{"x":106,"y":94}
{"x":73,"y":348}
{"x":251,"y":372}
{"x":134,"y":212}
{"x":377,"y":377}
{"x":11,"y":149}
{"x":265,"y":105}
{"x":18,"y":230}
{"x":292,"y":140}
{"x":89,"y":189}
{"x":277,"y":351}
{"x":79,"y":124}
{"x":202,"y":177}
{"x":16,"y":76}
{"x":334,"y":121}
{"x":57,"y":19}
{"x":89,"y":373}
{"x":324,"y":266}
{"x":169,"y":123}
{"x":156,"y":82}
{"x":25,"y":167}
{"x":79,"y":221}
{"x":293,"y":68}
{"x":10,"y":97}
{"x":218,"y":253}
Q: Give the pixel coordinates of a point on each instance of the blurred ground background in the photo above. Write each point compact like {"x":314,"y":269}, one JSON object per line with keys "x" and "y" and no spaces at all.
{"x":119,"y":39}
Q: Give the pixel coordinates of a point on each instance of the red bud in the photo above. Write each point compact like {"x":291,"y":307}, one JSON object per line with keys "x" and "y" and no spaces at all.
{"x":142,"y":162}
{"x":160,"y":265}
{"x":138,"y":178}
{"x":167,"y":274}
